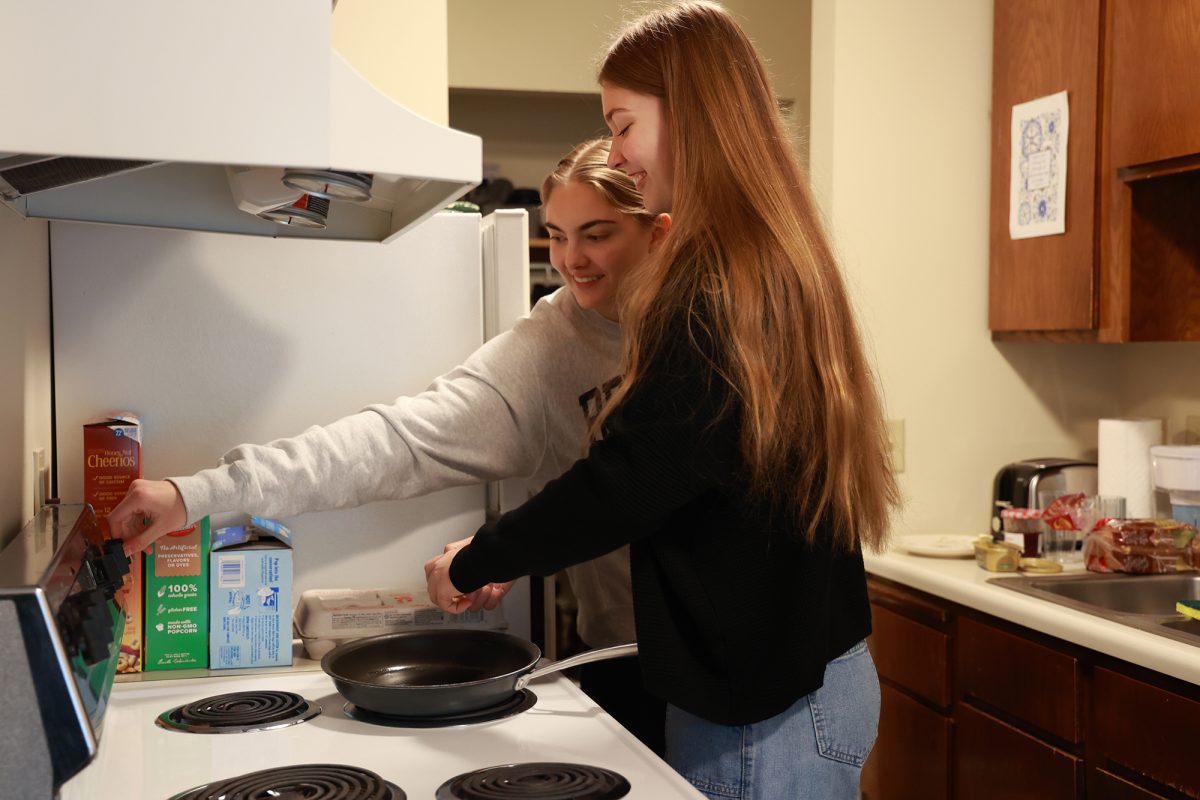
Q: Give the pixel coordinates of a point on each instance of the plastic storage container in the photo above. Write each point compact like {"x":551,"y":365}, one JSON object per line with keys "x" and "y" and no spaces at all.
{"x":1177,"y":469}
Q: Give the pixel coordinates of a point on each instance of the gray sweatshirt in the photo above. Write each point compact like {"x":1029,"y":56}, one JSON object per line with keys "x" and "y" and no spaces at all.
{"x":518,"y":407}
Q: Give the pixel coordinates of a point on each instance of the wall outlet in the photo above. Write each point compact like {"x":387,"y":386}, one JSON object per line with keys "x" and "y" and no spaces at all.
{"x":895,"y":434}
{"x":1191,"y":430}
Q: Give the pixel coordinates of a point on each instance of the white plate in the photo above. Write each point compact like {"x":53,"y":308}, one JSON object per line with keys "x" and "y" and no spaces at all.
{"x":938,"y":546}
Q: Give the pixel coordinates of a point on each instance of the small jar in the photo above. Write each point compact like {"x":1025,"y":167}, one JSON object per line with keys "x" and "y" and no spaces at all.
{"x":1027,"y":523}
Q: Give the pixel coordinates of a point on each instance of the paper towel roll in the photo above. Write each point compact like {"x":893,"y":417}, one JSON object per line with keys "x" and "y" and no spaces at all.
{"x":1123,"y":467}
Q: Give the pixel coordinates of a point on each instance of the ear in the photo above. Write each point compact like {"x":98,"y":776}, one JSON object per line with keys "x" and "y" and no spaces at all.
{"x":662,"y":226}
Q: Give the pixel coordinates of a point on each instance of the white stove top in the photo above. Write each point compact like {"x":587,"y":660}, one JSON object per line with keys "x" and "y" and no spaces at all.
{"x":138,"y":759}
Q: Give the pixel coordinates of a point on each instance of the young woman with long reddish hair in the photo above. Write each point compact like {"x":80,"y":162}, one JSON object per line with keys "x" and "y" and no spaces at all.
{"x":744,"y":453}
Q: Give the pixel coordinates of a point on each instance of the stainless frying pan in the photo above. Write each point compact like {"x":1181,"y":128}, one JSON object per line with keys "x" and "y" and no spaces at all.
{"x":443,"y":672}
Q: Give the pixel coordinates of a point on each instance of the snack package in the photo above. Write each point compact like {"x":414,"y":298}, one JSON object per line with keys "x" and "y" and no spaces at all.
{"x":1141,"y":546}
{"x":1065,"y":513}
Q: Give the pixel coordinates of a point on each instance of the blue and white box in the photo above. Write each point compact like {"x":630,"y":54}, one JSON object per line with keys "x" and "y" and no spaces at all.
{"x":250,"y":577}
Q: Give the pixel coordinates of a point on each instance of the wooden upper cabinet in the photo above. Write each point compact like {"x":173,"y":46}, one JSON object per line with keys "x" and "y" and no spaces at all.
{"x":1041,"y":48}
{"x":1128,"y":266}
{"x":1150,"y":245}
{"x":1155,"y":67}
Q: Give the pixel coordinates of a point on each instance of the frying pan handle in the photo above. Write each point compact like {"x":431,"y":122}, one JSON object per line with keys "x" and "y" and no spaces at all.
{"x":600,"y":654}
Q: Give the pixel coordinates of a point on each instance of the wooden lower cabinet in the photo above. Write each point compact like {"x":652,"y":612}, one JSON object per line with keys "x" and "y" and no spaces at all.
{"x":976,"y":708}
{"x":997,"y":761}
{"x":1036,"y":684}
{"x":1146,"y":730}
{"x":1103,"y":785}
{"x":911,"y":759}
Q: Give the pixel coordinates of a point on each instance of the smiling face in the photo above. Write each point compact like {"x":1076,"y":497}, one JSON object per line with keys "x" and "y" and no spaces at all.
{"x":593,"y":245}
{"x":640,"y":146}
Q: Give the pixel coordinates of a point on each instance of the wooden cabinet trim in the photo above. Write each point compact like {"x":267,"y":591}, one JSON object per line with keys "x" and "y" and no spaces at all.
{"x":909,"y":602}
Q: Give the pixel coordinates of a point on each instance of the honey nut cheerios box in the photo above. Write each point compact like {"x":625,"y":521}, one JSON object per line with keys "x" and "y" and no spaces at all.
{"x":112,"y":459}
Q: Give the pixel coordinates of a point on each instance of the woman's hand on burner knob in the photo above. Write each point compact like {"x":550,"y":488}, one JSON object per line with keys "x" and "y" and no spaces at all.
{"x":150,"y":510}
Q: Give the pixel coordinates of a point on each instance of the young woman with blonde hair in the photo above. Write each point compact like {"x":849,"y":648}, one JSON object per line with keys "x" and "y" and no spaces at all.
{"x":744,"y":453}
{"x":520,"y":406}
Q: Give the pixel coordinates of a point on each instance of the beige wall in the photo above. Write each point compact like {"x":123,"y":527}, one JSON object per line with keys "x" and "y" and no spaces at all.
{"x":546,"y":46}
{"x":24,"y":364}
{"x":1162,"y":380}
{"x":529,"y":45}
{"x":523,"y":75}
{"x":899,"y":154}
{"x":400,"y":47}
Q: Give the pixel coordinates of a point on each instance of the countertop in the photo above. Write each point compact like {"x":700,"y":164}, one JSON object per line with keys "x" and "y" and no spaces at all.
{"x":961,"y":581}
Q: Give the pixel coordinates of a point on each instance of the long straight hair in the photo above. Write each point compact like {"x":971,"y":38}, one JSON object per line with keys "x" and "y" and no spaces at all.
{"x":748,"y":256}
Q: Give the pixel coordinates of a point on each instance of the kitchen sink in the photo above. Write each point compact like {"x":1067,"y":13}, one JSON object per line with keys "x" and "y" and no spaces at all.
{"x":1140,"y":601}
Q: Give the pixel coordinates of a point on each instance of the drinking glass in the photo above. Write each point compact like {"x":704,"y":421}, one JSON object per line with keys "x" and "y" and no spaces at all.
{"x":1099,"y":508}
{"x":1059,"y":545}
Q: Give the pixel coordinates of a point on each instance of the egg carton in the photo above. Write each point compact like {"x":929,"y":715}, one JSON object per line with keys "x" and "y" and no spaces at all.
{"x":325,"y":618}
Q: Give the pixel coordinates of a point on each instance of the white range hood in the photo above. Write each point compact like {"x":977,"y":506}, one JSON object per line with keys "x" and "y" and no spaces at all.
{"x":192,"y":93}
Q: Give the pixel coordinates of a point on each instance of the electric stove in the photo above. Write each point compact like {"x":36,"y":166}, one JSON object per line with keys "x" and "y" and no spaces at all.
{"x":557,"y":744}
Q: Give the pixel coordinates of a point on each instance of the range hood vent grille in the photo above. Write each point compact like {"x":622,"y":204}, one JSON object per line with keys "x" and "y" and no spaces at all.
{"x":52,"y":173}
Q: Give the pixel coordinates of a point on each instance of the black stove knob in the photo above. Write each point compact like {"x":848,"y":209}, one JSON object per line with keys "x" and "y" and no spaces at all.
{"x":115,"y":564}
{"x":86,"y":623}
{"x":97,"y":628}
{"x":107,"y":566}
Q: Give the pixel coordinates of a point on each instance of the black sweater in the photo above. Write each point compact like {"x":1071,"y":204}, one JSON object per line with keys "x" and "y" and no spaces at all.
{"x":735,"y":618}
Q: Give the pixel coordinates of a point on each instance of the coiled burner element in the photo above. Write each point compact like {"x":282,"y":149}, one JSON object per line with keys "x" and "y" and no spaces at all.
{"x":300,"y":782}
{"x":238,"y":712}
{"x":521,"y":701}
{"x":540,"y":781}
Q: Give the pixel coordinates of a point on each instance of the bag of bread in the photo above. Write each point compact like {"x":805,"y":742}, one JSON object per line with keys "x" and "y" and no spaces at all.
{"x":1141,"y":546}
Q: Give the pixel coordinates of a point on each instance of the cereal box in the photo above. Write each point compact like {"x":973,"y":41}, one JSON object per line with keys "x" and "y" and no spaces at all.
{"x":112,"y":459}
{"x":250,"y":574}
{"x":177,"y":600}
{"x":130,"y":658}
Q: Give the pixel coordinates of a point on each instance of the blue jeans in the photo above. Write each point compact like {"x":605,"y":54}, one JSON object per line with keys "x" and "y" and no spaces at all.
{"x":815,"y":749}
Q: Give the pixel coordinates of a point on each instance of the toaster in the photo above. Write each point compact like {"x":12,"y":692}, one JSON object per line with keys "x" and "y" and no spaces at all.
{"x":1019,"y":485}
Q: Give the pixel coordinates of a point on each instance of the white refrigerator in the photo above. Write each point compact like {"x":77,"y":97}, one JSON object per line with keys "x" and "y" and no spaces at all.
{"x":219,"y":339}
